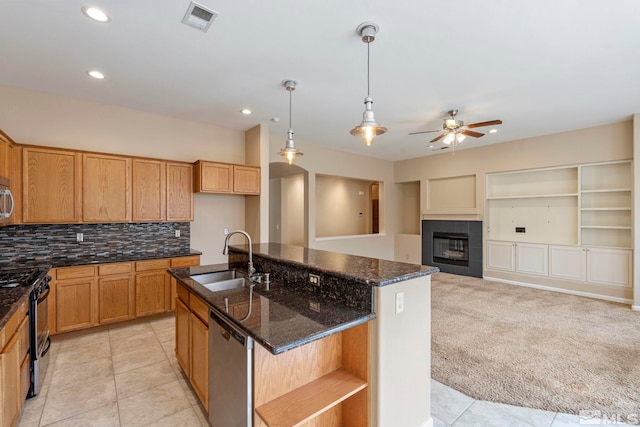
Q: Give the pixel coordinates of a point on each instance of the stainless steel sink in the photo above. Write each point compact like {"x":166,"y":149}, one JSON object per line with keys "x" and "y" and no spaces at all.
{"x":221,"y":280}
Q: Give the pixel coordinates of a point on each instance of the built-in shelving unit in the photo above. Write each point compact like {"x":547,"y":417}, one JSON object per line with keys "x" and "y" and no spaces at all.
{"x":583,"y":214}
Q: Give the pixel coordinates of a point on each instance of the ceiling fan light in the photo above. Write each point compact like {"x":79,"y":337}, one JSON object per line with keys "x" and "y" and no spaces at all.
{"x":449,"y":139}
{"x":460,"y":137}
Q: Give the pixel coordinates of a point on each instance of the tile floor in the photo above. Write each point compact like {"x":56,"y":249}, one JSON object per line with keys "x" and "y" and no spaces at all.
{"x":127,"y":375}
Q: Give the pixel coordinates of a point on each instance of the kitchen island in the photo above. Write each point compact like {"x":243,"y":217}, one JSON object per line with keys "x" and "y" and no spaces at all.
{"x":352,"y":348}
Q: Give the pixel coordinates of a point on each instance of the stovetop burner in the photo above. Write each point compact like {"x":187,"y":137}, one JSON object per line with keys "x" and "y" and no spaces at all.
{"x":11,"y":278}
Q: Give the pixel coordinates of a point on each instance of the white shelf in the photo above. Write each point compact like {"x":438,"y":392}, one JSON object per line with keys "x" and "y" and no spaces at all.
{"x":605,"y":209}
{"x":606,"y":227}
{"x":607,"y":190}
{"x":533,"y":196}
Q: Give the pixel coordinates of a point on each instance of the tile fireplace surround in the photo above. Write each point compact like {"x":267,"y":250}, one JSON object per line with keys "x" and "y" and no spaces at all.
{"x":472,"y":228}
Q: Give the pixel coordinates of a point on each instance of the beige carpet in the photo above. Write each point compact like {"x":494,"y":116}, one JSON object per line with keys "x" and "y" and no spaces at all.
{"x":534,"y":348}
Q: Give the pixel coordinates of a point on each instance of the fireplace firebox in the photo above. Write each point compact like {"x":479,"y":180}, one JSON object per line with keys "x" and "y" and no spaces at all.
{"x":451,"y":248}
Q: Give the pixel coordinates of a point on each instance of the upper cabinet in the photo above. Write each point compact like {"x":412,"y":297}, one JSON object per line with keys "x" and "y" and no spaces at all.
{"x":106,"y":188}
{"x":4,"y":156}
{"x":210,"y":177}
{"x":149,"y":190}
{"x":51,"y":185}
{"x":179,"y":192}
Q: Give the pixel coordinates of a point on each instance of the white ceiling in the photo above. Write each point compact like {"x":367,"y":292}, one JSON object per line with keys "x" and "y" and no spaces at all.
{"x":541,"y":66}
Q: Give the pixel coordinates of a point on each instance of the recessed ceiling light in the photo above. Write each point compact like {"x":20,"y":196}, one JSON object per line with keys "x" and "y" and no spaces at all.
{"x":246,"y":111}
{"x":95,"y":14}
{"x":96,"y":74}
{"x":493,"y":131}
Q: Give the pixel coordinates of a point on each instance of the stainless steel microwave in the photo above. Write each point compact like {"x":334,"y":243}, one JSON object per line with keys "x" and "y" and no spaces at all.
{"x":6,"y":199}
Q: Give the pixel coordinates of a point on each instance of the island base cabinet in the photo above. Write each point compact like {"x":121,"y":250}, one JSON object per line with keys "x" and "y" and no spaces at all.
{"x":321,"y":384}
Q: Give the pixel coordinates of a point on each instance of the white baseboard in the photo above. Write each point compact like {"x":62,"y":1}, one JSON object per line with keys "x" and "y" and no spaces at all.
{"x":635,"y":307}
{"x":564,"y":291}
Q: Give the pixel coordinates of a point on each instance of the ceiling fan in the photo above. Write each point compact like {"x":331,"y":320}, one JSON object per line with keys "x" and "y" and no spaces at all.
{"x":456,"y":130}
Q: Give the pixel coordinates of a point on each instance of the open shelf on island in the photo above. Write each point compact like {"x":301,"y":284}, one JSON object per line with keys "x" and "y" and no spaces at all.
{"x":302,"y":404}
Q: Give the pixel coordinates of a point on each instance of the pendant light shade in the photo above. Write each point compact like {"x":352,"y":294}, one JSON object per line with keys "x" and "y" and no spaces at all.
{"x":290,"y":151}
{"x":368,"y":129}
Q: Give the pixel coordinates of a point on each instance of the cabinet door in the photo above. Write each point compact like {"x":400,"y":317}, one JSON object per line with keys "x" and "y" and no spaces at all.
{"x":532,"y":259}
{"x":152,"y":292}
{"x":115,"y":295}
{"x":15,"y":175}
{"x":10,"y":362}
{"x":179,"y":192}
{"x":567,"y":262}
{"x":501,"y":255}
{"x":199,"y":359}
{"x":51,"y":186}
{"x":246,"y":180}
{"x":4,"y":157}
{"x":609,"y":266}
{"x":213,"y":177}
{"x":74,"y":304}
{"x":149,"y":190}
{"x":183,"y":319}
{"x":106,"y":188}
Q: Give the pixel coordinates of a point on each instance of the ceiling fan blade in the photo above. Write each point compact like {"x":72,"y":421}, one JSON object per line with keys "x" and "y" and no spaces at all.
{"x":438,"y":137}
{"x":489,"y":123}
{"x":426,"y":131}
{"x":472,"y":133}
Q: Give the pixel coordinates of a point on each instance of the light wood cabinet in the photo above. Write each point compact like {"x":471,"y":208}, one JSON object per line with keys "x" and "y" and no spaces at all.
{"x":15,"y":175}
{"x":115,"y":295}
{"x":73,"y":301}
{"x":149,"y":190}
{"x":179,"y":192}
{"x":211,"y":177}
{"x":51,"y":190}
{"x":152,"y":287}
{"x":106,"y":188}
{"x":14,"y":359}
{"x":192,"y":341}
{"x":5,"y":158}
{"x":182,"y":262}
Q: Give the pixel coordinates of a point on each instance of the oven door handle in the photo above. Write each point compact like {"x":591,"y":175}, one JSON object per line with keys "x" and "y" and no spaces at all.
{"x":44,"y":295}
{"x":47,"y":347}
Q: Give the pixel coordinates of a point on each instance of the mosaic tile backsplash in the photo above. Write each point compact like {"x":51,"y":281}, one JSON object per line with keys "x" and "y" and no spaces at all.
{"x":27,"y":243}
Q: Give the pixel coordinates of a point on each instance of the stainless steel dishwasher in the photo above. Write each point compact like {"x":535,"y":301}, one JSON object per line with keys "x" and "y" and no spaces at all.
{"x":230,"y":375}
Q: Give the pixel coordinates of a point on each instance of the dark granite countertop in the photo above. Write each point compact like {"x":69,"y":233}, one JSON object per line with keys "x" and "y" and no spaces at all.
{"x":10,"y":300}
{"x":372,"y":271}
{"x":281,"y":318}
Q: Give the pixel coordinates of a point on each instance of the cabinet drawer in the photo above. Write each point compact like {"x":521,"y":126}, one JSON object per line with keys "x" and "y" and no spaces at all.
{"x":183,"y":294}
{"x":75,"y":272}
{"x":186,"y":261}
{"x":156,"y":264}
{"x":199,"y":308}
{"x":118,"y":268}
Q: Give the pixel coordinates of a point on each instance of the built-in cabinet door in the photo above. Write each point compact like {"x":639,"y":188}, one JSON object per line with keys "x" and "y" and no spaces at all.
{"x":199,"y":359}
{"x":568,"y":262}
{"x":532,"y":259}
{"x":106,"y":188}
{"x":179,"y":192}
{"x":10,"y":362}
{"x":149,"y":190}
{"x":183,"y":319}
{"x":51,"y":186}
{"x":501,"y":255}
{"x":152,"y":292}
{"x":246,"y":180}
{"x":609,"y":266}
{"x":74,"y":299}
{"x":115,"y":296}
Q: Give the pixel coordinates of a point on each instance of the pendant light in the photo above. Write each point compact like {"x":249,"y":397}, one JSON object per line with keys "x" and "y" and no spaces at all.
{"x":290,"y":151}
{"x":368,"y":129}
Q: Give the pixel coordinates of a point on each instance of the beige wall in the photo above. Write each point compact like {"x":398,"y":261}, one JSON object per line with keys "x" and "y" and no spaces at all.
{"x":292,"y":210}
{"x":342,"y":206}
{"x":322,"y":161}
{"x":39,"y":118}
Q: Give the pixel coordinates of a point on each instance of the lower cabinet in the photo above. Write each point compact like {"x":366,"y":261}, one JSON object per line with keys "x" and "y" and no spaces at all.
{"x":595,"y":265}
{"x":192,"y":341}
{"x":86,"y":296}
{"x":14,"y":359}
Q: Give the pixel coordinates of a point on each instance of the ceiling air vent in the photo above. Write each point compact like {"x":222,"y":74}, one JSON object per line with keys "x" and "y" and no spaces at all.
{"x":199,"y":17}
